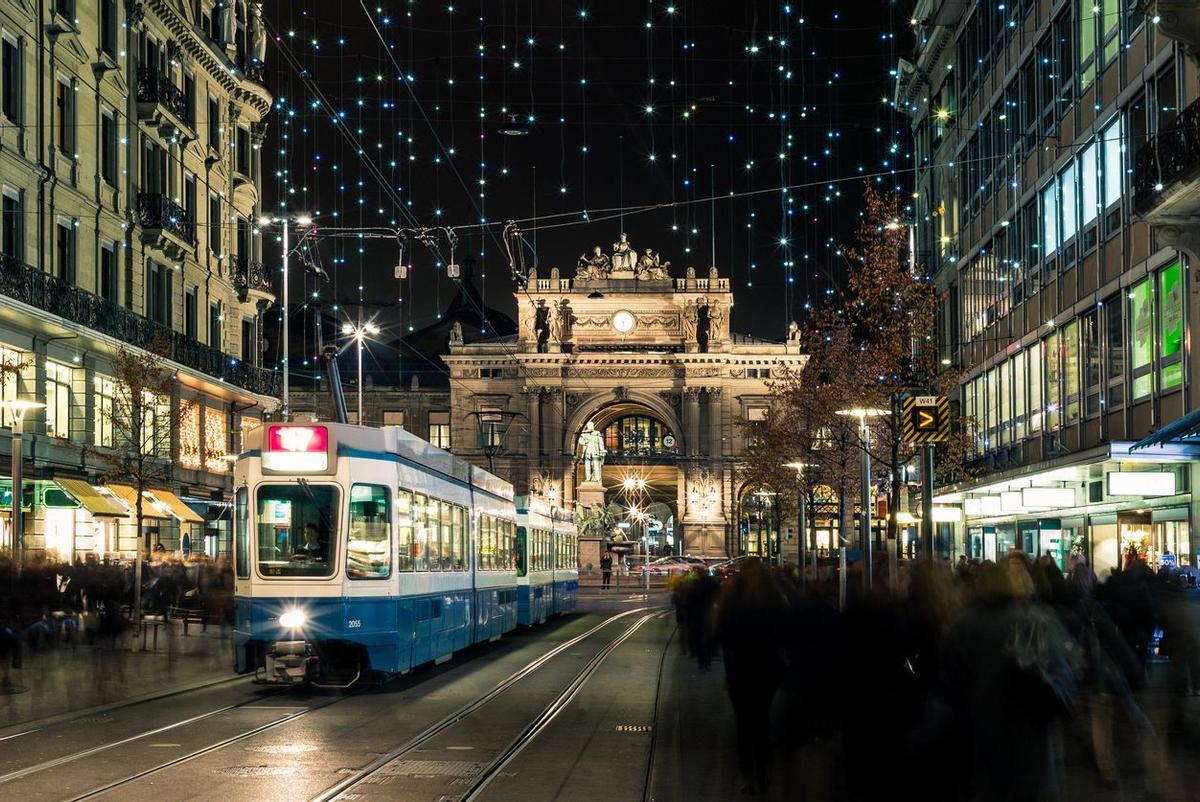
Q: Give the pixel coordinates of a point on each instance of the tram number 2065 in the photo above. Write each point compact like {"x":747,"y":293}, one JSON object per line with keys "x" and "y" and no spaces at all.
{"x":354,"y":623}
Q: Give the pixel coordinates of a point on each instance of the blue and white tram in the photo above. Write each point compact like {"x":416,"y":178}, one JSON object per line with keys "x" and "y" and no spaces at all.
{"x":364,"y":550}
{"x":547,"y":569}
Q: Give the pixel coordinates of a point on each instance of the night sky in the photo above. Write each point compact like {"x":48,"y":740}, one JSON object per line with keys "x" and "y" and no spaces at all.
{"x":626,"y":105}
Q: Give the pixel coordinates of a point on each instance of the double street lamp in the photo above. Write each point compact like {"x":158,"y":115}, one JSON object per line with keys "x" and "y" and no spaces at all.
{"x":302,"y":221}
{"x":359,"y":333}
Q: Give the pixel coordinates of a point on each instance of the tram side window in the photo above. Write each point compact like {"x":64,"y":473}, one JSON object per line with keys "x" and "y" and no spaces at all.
{"x":404,"y":531}
{"x":369,"y":547}
{"x":241,"y":534}
{"x":486,"y":547}
{"x":460,"y":535}
{"x":421,"y":532}
{"x":297,"y":529}
{"x":447,"y":518}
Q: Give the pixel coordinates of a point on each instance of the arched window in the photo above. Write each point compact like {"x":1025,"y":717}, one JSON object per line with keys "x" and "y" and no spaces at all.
{"x":638,"y":436}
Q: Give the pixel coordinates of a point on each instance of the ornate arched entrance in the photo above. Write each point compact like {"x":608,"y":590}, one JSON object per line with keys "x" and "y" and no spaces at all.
{"x":758,"y":522}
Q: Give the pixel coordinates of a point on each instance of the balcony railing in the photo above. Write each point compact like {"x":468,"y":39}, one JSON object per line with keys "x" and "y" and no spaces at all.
{"x":62,"y":299}
{"x":155,"y":86}
{"x":251,"y":277}
{"x":159,"y":211}
{"x":1170,"y":156}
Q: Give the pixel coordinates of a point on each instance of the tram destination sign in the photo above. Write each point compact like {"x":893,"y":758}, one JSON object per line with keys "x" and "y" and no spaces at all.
{"x":924,"y":419}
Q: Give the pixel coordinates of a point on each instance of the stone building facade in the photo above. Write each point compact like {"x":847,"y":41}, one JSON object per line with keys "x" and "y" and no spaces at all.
{"x":130,"y":171}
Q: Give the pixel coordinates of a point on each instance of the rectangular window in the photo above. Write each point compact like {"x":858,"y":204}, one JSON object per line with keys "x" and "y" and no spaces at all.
{"x":11,"y":78}
{"x":446,"y":538}
{"x":1052,"y":365}
{"x":102,"y":404}
{"x":1037,"y":409}
{"x":64,"y":242}
{"x":158,"y":293}
{"x":241,"y":534}
{"x":58,"y":400}
{"x":189,"y":98}
{"x":393,"y":418}
{"x":108,"y":27}
{"x":214,"y":223}
{"x":191,"y":311}
{"x":1114,"y":176}
{"x":1141,"y":329}
{"x":1090,"y":356}
{"x":66,"y":9}
{"x":404,"y":531}
{"x":108,"y":272}
{"x":214,"y":124}
{"x":243,"y":151}
{"x":297,"y":529}
{"x":1049,"y":220}
{"x":1170,"y":317}
{"x":215,"y":319}
{"x":439,"y":429}
{"x":108,"y":147}
{"x":1114,"y":352}
{"x":369,"y":544}
{"x":420,"y":533}
{"x":1020,"y":400}
{"x":249,"y":341}
{"x":14,"y":224}
{"x":10,"y":382}
{"x":64,"y":109}
{"x":1070,"y":348}
{"x":1069,"y":203}
{"x":1089,"y":184}
{"x":1086,"y":13}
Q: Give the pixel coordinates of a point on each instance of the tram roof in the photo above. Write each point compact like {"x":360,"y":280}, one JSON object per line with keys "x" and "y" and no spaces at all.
{"x":366,"y":441}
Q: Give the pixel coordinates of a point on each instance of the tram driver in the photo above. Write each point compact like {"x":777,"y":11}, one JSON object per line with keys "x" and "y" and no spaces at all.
{"x":313,"y":547}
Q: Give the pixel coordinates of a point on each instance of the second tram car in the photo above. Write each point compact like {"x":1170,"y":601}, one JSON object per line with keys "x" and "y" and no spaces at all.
{"x":547,"y":554}
{"x":368,"y":550}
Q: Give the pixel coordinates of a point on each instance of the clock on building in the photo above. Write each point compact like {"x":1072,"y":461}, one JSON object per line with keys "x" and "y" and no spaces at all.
{"x":624,"y":321}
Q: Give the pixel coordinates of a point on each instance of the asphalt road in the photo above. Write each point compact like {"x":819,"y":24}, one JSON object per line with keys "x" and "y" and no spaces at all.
{"x":561,"y":711}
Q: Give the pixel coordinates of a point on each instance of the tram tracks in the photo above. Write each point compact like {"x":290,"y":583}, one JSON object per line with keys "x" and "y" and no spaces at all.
{"x":297,"y":712}
{"x":527,"y":735}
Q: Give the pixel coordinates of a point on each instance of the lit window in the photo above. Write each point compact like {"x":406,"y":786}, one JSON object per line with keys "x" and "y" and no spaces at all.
{"x":58,"y":400}
{"x":439,"y":429}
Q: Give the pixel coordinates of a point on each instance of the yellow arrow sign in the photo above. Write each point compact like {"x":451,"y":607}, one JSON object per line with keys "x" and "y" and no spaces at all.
{"x":925,"y":420}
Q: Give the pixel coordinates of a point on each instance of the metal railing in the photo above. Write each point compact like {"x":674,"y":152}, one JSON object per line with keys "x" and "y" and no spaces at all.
{"x":1171,"y":155}
{"x":155,"y":86}
{"x":159,"y":211}
{"x":31,"y":286}
{"x":251,"y":276}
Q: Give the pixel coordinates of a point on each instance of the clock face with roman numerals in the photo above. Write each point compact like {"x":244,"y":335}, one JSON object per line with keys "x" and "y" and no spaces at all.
{"x":623,"y":321}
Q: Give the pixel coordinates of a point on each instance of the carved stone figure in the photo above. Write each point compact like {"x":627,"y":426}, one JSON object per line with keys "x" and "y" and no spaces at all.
{"x":554,"y":274}
{"x":691,"y":321}
{"x":456,"y":333}
{"x":564,"y":318}
{"x":691,"y":272}
{"x":531,"y":278}
{"x":258,"y":35}
{"x":716,"y":321}
{"x":541,"y":325}
{"x":555,"y":318}
{"x":596,"y":266}
{"x":624,"y":258}
{"x":228,"y":24}
{"x":592,"y":452}
{"x":793,"y":332}
{"x":712,"y":272}
{"x":650,"y":267}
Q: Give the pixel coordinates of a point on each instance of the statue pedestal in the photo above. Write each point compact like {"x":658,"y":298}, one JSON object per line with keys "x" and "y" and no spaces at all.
{"x":589,"y":493}
{"x":617,"y":275}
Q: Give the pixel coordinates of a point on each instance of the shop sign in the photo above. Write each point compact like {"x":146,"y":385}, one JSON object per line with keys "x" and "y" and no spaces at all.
{"x":1141,"y":483}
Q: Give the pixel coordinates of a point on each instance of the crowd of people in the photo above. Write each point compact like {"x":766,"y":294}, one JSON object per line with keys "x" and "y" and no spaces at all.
{"x":980,"y":681}
{"x":46,"y":602}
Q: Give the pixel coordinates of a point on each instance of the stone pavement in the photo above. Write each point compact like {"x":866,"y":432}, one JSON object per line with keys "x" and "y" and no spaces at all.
{"x":72,"y":679}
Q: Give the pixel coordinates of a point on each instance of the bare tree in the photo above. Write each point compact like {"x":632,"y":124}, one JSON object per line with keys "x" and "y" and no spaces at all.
{"x":142,"y":420}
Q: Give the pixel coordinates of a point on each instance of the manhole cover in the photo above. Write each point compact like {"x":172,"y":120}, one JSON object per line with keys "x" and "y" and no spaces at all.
{"x":257,"y":771}
{"x":101,"y":719}
{"x":432,"y":768}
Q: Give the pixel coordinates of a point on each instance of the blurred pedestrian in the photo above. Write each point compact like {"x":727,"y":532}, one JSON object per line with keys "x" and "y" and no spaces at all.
{"x":606,"y":562}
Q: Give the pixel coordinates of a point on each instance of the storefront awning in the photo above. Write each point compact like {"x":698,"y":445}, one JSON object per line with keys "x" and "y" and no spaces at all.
{"x":1183,"y":430}
{"x":175,"y":504}
{"x":92,"y":501}
{"x":129,"y":496}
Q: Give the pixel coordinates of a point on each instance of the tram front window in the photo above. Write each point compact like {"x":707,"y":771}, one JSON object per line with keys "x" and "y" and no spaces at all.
{"x":297,"y":529}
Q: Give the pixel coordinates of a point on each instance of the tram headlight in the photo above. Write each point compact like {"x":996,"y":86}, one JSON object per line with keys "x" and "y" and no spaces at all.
{"x":293,"y":619}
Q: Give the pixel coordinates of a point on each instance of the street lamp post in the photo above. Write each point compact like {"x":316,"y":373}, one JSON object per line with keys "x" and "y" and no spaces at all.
{"x":802,"y":523}
{"x":359,"y":333}
{"x":864,"y":432}
{"x":17,"y":408}
{"x":303,"y":221}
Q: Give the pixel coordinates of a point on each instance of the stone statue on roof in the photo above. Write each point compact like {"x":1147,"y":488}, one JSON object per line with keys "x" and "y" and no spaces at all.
{"x":596,"y":266}
{"x":624,"y":258}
